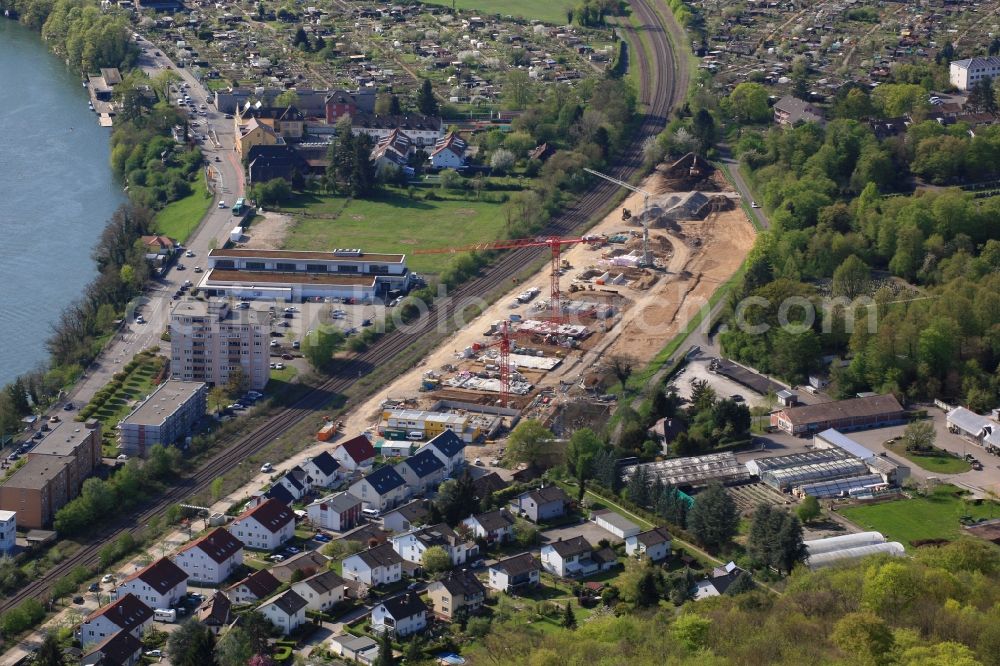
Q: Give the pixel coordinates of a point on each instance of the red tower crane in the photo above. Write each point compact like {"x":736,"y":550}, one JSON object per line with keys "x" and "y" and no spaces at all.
{"x":554,"y":243}
{"x":503,"y":344}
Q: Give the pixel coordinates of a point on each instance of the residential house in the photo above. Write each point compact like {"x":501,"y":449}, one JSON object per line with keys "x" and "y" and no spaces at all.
{"x":265,"y":526}
{"x":401,"y":616}
{"x":307,"y":563}
{"x":266,"y":162}
{"x":422,"y":472}
{"x":296,"y":482}
{"x":287,"y":611}
{"x":216,"y":612}
{"x":394,"y":149}
{"x":355,"y":454}
{"x":255,"y":587}
{"x":459,"y":590}
{"x":321,"y":591}
{"x":965,"y":74}
{"x":615,"y":523}
{"x":380,"y":490}
{"x":211,"y":559}
{"x":340,"y":512}
{"x":716,"y":583}
{"x":654,"y":544}
{"x":363,"y":649}
{"x":412,"y":545}
{"x":380,"y":565}
{"x":494,"y":526}
{"x":791,"y":110}
{"x":119,"y":649}
{"x":449,"y":448}
{"x":158,"y":248}
{"x":423,"y":130}
{"x":340,"y":103}
{"x":287,"y":122}
{"x":569,"y":557}
{"x":406,"y":517}
{"x":514,"y":573}
{"x":488,"y":484}
{"x":127,"y":614}
{"x":323,"y":470}
{"x":278,"y":492}
{"x":449,"y":152}
{"x":545,"y":503}
{"x":255,"y":133}
{"x":162,"y":584}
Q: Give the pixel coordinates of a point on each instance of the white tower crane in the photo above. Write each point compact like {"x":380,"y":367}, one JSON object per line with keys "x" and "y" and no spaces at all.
{"x":647,"y":255}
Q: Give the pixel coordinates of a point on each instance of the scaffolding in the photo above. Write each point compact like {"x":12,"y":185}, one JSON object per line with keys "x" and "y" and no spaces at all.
{"x":694,"y":471}
{"x":790,"y":477}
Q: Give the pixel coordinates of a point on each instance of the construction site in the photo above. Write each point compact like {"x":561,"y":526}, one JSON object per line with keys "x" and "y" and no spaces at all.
{"x":625,"y":289}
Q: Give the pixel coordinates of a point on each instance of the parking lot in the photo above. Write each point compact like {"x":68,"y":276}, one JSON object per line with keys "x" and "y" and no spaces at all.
{"x":588,"y":530}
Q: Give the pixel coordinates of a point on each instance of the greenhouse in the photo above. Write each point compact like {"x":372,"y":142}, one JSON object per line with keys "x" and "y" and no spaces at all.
{"x":758,"y":466}
{"x":826,"y":559}
{"x":788,"y":478}
{"x":695,"y":470}
{"x":838,"y":487}
{"x":817,"y":546}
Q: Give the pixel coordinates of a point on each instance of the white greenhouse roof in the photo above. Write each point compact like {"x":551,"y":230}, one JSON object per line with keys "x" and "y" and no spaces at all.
{"x":845,"y":443}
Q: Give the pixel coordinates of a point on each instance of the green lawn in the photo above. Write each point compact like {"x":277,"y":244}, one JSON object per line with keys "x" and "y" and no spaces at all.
{"x":934,"y":517}
{"x":178,"y":219}
{"x":550,"y":11}
{"x":136,"y":386}
{"x":936,"y":460}
{"x":392,"y":223}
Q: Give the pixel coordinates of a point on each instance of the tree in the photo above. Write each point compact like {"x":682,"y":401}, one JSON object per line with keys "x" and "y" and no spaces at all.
{"x":702,"y":395}
{"x":713,"y":520}
{"x":691,"y":630}
{"x":581,"y":452}
{"x":320,"y":345}
{"x":455,"y":499}
{"x":518,"y":90}
{"x":259,"y":630}
{"x":233,"y":649}
{"x":622,"y":366}
{"x":217,"y":398}
{"x":982,"y":98}
{"x":192,"y":644}
{"x":637,"y":488}
{"x":501,"y":161}
{"x":531,"y":443}
{"x":238,"y":382}
{"x":809,"y":510}
{"x":864,"y":638}
{"x":703,"y":128}
{"x":569,"y":618}
{"x":287,"y":98}
{"x":426,"y":102}
{"x":301,"y":40}
{"x":852,"y":277}
{"x":435,"y":560}
{"x":748,"y":103}
{"x":385,"y":656}
{"x":919,"y":436}
{"x":50,"y":652}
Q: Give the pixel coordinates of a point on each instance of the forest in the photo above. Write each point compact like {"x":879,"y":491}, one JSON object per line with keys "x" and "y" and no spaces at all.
{"x":939,"y":608}
{"x":844,"y":226}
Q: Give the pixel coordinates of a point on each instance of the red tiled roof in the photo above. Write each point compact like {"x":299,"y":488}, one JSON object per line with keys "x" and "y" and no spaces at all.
{"x":162,"y":575}
{"x":218,"y":544}
{"x":359,"y":448}
{"x":272,"y":515}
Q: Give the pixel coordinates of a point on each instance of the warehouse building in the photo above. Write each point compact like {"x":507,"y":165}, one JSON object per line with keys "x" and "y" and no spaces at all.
{"x":876,"y":411}
{"x":297,"y":276}
{"x":982,"y":430}
{"x":166,"y":416}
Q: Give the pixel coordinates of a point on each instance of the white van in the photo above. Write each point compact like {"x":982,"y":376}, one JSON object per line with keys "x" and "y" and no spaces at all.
{"x":415,"y":435}
{"x":370,"y":513}
{"x":165,"y":615}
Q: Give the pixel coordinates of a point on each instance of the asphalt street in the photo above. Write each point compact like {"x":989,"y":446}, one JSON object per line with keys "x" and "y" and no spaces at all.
{"x":226,"y":177}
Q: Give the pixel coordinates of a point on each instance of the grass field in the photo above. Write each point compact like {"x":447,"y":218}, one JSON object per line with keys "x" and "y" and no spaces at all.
{"x":392,"y":223}
{"x":936,"y":516}
{"x":938,"y":460}
{"x":137,"y":385}
{"x":549,"y":11}
{"x":179,"y":219}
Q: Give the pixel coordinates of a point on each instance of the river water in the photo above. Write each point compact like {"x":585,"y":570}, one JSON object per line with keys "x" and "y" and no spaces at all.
{"x":56,"y":194}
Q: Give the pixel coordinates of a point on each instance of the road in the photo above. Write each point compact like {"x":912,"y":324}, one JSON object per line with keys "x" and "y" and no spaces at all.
{"x":662,"y":92}
{"x":761,"y":221}
{"x":155,"y":303}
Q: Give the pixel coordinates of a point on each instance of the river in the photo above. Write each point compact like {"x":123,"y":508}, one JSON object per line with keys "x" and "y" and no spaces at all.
{"x":56,"y":194}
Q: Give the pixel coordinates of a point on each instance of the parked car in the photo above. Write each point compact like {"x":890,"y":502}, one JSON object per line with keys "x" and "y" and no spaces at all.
{"x":69,"y":407}
{"x":94,"y":587}
{"x":78,"y":600}
{"x":266,"y":468}
{"x":107,"y":578}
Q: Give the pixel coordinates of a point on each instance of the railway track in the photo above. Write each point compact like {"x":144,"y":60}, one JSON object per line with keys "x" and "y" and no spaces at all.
{"x":662,"y":91}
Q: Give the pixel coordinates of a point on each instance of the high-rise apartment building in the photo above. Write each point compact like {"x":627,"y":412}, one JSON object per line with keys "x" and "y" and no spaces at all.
{"x":209,"y":341}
